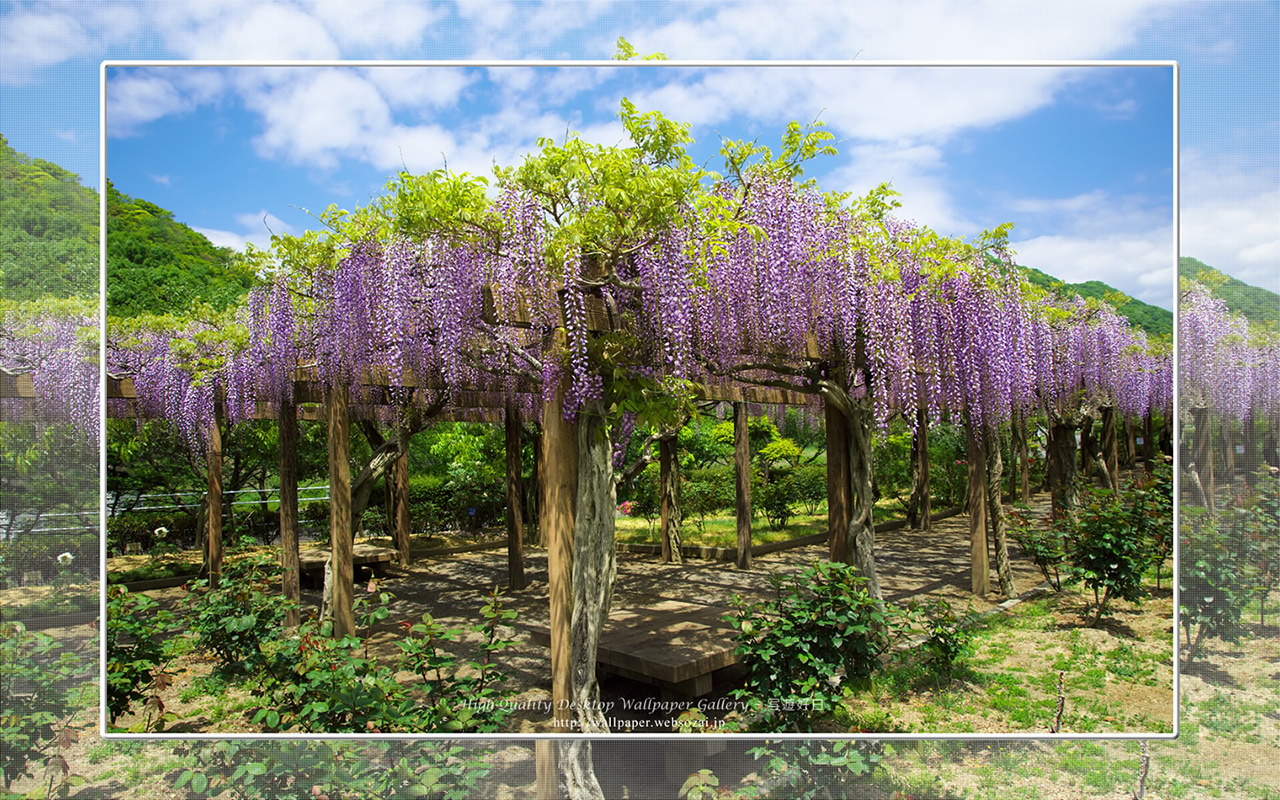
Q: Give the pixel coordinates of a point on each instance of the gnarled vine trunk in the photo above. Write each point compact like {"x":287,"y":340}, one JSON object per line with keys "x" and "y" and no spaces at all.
{"x":1061,"y":455}
{"x":861,"y":537}
{"x":995,"y":512}
{"x":919,"y":507}
{"x":669,"y":478}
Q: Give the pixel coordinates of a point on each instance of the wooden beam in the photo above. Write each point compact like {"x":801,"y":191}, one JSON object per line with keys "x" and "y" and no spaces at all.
{"x":839,"y":485}
{"x":559,"y":495}
{"x":340,"y":534}
{"x":742,"y":484}
{"x":764,"y":395}
{"x":214,"y":462}
{"x":513,"y":427}
{"x":289,"y":514}
{"x":546,"y":774}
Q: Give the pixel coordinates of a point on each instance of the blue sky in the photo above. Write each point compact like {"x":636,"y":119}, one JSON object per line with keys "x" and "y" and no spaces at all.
{"x":1080,"y":158}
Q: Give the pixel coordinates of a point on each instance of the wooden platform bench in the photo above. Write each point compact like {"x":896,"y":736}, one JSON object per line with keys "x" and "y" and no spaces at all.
{"x":373,"y":560}
{"x":671,"y":644}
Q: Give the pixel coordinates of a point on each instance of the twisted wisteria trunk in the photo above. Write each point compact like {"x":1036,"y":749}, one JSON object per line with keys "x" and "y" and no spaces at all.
{"x":995,"y":511}
{"x":1061,"y":455}
{"x":861,"y":536}
{"x":1202,"y":455}
{"x":594,"y":563}
{"x":669,"y":480}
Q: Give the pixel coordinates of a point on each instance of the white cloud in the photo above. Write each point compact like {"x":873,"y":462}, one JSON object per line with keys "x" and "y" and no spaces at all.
{"x":163,"y":180}
{"x":397,"y":25}
{"x":138,"y":96}
{"x":64,"y":135}
{"x":255,"y":229}
{"x":1231,"y":215}
{"x":420,"y":89}
{"x":917,"y":171}
{"x":230,"y":30}
{"x":1139,"y":264}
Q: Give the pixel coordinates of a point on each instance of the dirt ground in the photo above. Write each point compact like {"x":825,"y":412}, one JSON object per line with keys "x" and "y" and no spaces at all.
{"x":912,"y":565}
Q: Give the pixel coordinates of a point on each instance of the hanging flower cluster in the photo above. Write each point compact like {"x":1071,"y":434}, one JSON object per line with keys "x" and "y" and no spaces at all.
{"x":57,"y":345}
{"x":1221,"y":364}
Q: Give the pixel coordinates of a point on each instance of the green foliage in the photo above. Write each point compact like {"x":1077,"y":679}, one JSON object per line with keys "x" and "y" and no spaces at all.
{"x":891,"y":461}
{"x":810,"y":486}
{"x":806,"y":769}
{"x":332,"y":768}
{"x":48,"y":229}
{"x":137,"y":658}
{"x":701,"y":447}
{"x":792,"y":647}
{"x":948,"y":468}
{"x":1213,"y":581}
{"x":1257,"y":304}
{"x":235,"y":619}
{"x":1154,"y":320}
{"x":700,"y":498}
{"x":44,"y":686}
{"x":316,"y":683}
{"x":950,"y":638}
{"x":1042,"y":541}
{"x":156,"y":264}
{"x":778,"y":499}
{"x":1108,"y":552}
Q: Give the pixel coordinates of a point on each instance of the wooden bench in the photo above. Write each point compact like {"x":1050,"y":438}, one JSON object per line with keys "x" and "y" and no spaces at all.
{"x":671,"y":644}
{"x":311,"y":563}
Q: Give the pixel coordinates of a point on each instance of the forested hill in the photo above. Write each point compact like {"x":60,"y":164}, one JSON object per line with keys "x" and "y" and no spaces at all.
{"x":48,"y":229}
{"x":157,"y":265}
{"x":1260,"y":306}
{"x":1153,"y":319}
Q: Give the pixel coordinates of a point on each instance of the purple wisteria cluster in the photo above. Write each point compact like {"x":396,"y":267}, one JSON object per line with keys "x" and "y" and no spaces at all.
{"x":60,"y":352}
{"x":783,"y":280}
{"x":1221,"y":366}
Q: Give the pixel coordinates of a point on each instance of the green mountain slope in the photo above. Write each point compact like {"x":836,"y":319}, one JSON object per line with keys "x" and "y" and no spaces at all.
{"x":157,"y":265}
{"x":1156,"y":321}
{"x":1260,"y":306}
{"x":48,"y":229}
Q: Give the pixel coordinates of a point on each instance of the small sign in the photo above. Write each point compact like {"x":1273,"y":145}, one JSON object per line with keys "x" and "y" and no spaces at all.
{"x":471,"y":511}
{"x":1239,"y":449}
{"x":1138,"y":440}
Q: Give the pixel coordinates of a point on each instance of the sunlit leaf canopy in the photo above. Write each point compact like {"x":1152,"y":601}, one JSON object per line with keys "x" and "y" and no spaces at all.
{"x":750,"y":275}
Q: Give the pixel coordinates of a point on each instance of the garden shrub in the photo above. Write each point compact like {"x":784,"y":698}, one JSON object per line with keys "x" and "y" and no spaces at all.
{"x":315,"y":768}
{"x":645,"y":495}
{"x":43,"y":686}
{"x":1213,"y":587}
{"x":139,"y":527}
{"x":778,"y":499}
{"x":1108,"y":553}
{"x":316,"y":683}
{"x":137,"y":656}
{"x":39,"y":552}
{"x":803,"y":769}
{"x":698,"y":500}
{"x":950,"y":637}
{"x":792,"y":647}
{"x":237,"y":617}
{"x":1042,"y":541}
{"x":811,"y":486}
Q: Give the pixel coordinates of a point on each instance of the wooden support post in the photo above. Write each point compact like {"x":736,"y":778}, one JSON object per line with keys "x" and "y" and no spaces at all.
{"x":515,"y":498}
{"x":556,"y":514}
{"x":289,"y":577}
{"x":1148,"y":443}
{"x":340,"y":533}
{"x":215,"y":501}
{"x":400,"y":503}
{"x":839,"y":485}
{"x":669,"y":488}
{"x":980,"y":576}
{"x":742,"y":483}
{"x":547,"y":783}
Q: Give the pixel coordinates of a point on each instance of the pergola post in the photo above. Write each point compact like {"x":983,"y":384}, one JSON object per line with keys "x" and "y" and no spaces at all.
{"x":669,"y":488}
{"x":515,"y":499}
{"x":340,"y":534}
{"x":214,"y":461}
{"x":839,"y":485}
{"x":559,"y":490}
{"x":980,"y":575}
{"x":289,"y":513}
{"x":742,"y":483}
